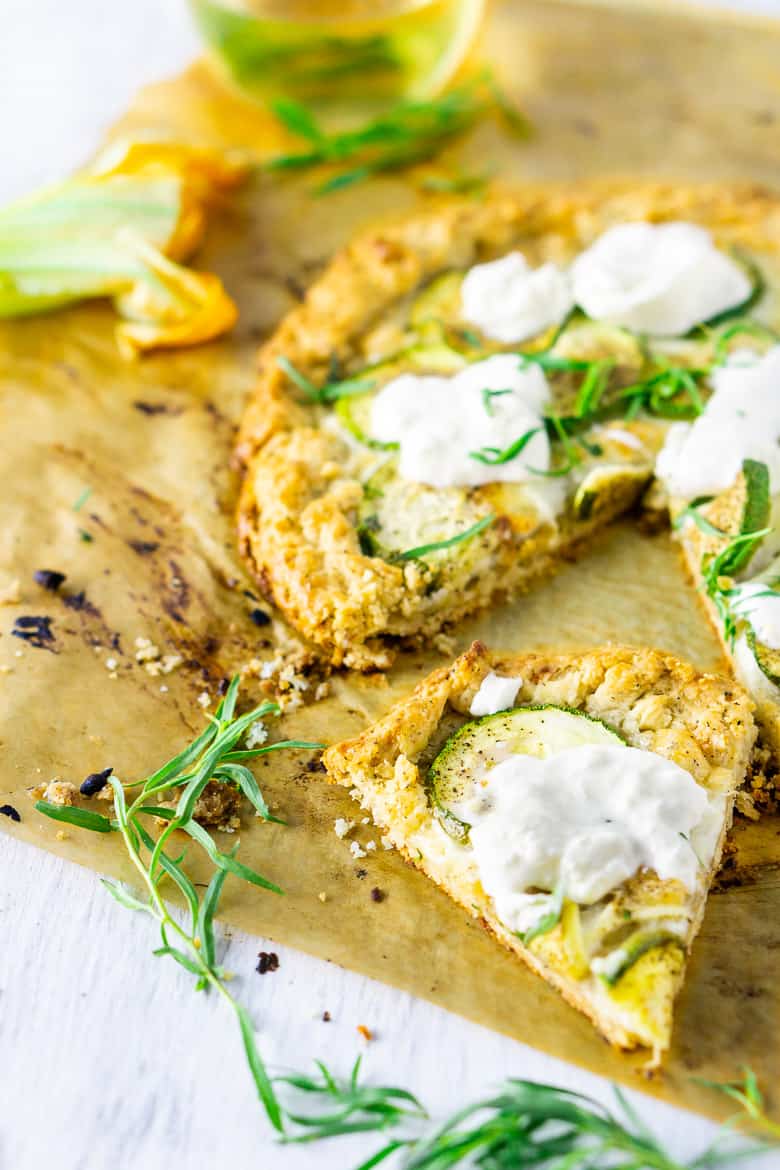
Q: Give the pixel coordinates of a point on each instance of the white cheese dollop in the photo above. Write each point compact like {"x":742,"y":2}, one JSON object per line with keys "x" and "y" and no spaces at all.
{"x":587,"y":817}
{"x":660,"y":279}
{"x":510,"y":301}
{"x":761,"y":607}
{"x":439,"y":422}
{"x":740,"y":421}
{"x":496,"y":693}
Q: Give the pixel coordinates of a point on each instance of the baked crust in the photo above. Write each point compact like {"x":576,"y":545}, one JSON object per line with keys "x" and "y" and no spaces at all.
{"x":659,"y":703}
{"x":296,"y":517}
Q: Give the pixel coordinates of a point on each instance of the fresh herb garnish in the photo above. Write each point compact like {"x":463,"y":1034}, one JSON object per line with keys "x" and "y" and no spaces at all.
{"x":523,"y":1124}
{"x":487,"y":399}
{"x":749,"y":1096}
{"x":496,"y":455}
{"x":414,"y":554}
{"x":212,"y":756}
{"x":717,"y":572}
{"x":669,"y":392}
{"x":738,"y":329}
{"x":331,"y":391}
{"x":691,"y":512}
{"x":411,"y":133}
{"x":352,"y":1107}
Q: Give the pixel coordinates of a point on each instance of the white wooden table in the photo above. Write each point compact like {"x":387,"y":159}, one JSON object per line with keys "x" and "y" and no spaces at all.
{"x":108,"y":1059}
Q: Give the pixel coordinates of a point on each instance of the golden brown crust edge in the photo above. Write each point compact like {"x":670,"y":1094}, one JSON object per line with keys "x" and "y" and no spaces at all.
{"x":657,"y":701}
{"x":294,"y":515}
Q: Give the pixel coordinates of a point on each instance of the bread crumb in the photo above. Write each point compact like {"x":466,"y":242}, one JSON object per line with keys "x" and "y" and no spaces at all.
{"x":322,"y":691}
{"x":256,"y":735}
{"x":341,"y":827}
{"x":163,"y":689}
{"x":323,"y":897}
{"x":153,"y":661}
{"x":204,"y":699}
{"x":111,"y":664}
{"x":61,"y":835}
{"x":356,"y":850}
{"x":370,"y":846}
{"x":56,"y":792}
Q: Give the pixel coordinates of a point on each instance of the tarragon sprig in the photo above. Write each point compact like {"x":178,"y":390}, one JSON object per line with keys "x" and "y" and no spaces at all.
{"x":412,"y":132}
{"x":523,"y":1124}
{"x":213,"y":756}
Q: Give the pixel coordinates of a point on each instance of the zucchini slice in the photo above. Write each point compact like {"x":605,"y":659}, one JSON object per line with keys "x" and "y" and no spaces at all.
{"x":626,"y":956}
{"x":396,"y":515}
{"x":743,"y":508}
{"x":767,"y":659}
{"x":539,"y":731}
{"x":439,"y":301}
{"x":354,"y":411}
{"x":610,"y":488}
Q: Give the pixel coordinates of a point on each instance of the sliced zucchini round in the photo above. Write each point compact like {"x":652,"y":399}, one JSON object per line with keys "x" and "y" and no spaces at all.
{"x":397,"y":515}
{"x":615,"y":965}
{"x":354,"y":413}
{"x":743,"y":508}
{"x":354,"y":410}
{"x":610,"y":488}
{"x":592,"y":340}
{"x":438,"y":301}
{"x":539,"y":731}
{"x":767,"y":658}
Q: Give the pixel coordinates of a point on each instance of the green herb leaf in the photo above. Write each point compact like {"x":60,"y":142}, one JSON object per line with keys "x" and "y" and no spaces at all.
{"x":124,"y":896}
{"x":423,"y":550}
{"x":494,"y":455}
{"x":297,"y":119}
{"x":263,"y":1084}
{"x":82,"y":818}
{"x":412,"y":132}
{"x":691,"y":512}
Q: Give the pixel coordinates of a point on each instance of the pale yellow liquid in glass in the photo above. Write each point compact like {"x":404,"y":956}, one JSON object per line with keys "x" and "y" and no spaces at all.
{"x":354,"y":52}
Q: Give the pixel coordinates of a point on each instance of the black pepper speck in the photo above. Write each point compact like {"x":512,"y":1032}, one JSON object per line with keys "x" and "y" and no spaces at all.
{"x":8,"y":810}
{"x":260,"y":617}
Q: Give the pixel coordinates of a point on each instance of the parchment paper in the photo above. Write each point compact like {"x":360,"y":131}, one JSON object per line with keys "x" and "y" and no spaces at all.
{"x":608,"y":91}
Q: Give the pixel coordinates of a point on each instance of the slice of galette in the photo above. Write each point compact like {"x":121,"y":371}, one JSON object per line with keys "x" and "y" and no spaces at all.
{"x":576,"y":803}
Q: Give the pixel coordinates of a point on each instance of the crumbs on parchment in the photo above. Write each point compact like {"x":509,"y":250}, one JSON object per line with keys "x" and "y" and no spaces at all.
{"x":55,"y":791}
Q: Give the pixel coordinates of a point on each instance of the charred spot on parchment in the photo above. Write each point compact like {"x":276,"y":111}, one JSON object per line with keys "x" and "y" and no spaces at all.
{"x":35,"y":630}
{"x":80,"y":603}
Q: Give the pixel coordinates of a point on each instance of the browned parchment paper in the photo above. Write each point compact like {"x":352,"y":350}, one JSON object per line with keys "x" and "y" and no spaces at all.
{"x":608,"y":90}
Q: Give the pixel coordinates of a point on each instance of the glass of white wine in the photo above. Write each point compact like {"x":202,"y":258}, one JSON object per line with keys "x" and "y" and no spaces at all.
{"x":341,"y":53}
